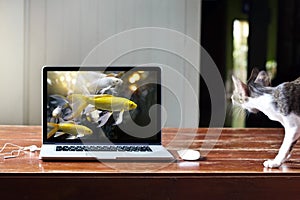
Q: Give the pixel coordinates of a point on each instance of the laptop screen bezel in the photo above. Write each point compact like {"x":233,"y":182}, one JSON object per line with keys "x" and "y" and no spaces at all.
{"x":47,"y":69}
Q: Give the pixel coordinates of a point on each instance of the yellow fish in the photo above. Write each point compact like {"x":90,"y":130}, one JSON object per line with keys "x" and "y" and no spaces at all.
{"x":103,"y":102}
{"x":74,"y":130}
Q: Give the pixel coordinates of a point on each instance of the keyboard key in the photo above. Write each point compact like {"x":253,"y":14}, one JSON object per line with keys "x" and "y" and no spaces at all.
{"x":105,"y":148}
{"x":79,"y":148}
{"x":59,"y":148}
{"x":65,"y":148}
{"x":71,"y":148}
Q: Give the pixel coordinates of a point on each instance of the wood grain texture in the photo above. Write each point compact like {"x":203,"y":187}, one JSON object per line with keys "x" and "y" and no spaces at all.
{"x":227,"y":151}
{"x":232,"y":169}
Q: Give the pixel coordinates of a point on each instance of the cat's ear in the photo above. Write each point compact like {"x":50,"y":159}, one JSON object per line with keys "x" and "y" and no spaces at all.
{"x":240,"y":86}
{"x":254,"y":74}
{"x":263,"y":79}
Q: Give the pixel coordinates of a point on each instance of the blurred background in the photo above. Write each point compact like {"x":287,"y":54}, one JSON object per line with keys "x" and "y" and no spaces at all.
{"x":34,"y":33}
{"x":237,"y":34}
{"x":242,"y":34}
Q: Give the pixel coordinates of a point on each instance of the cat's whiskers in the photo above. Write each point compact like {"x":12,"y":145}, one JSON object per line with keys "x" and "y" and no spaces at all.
{"x":237,"y":110}
{"x":230,"y":109}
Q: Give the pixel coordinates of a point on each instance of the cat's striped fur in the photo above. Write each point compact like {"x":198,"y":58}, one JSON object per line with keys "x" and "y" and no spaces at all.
{"x":281,"y":103}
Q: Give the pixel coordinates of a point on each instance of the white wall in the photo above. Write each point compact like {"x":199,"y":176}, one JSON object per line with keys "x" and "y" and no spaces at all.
{"x":11,"y":61}
{"x":56,"y":32}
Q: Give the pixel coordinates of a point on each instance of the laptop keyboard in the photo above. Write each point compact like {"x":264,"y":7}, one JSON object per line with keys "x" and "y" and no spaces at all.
{"x":105,"y":148}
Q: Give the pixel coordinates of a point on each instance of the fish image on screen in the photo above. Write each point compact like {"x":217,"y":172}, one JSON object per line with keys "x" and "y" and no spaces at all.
{"x":90,"y":106}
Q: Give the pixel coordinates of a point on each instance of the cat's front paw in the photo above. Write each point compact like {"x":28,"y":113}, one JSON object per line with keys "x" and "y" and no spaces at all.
{"x":272,"y":164}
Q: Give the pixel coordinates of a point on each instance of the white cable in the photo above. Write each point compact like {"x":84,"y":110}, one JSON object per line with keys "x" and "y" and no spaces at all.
{"x":31,"y":148}
{"x":6,"y":144}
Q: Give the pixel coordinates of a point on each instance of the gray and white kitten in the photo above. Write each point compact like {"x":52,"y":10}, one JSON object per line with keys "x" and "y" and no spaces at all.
{"x":281,"y":103}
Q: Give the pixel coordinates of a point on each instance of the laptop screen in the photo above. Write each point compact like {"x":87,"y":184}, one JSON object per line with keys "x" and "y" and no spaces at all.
{"x":100,"y":105}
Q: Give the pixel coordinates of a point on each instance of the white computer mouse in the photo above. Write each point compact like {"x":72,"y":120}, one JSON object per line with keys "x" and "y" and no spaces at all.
{"x":189,"y":154}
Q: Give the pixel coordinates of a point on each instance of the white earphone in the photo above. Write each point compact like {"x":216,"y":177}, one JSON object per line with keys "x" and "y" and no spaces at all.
{"x":31,"y":148}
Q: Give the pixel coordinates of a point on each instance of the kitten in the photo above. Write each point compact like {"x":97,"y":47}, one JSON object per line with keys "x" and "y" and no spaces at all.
{"x":281,"y":103}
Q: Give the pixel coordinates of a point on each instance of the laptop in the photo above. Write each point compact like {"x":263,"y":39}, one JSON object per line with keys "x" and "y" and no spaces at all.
{"x":102,"y":113}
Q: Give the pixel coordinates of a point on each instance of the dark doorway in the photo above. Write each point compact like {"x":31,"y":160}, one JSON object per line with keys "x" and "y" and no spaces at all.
{"x":213,"y":38}
{"x":283,"y":42}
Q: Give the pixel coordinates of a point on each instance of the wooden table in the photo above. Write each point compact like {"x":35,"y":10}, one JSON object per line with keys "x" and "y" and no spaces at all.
{"x":231,"y":168}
